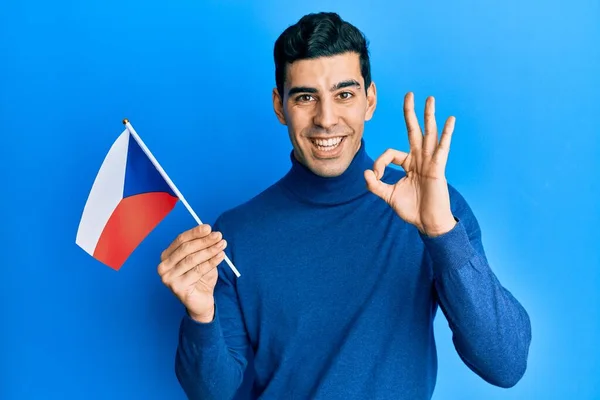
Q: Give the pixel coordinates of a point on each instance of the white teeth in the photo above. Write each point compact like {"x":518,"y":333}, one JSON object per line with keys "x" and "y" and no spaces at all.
{"x":327,"y":144}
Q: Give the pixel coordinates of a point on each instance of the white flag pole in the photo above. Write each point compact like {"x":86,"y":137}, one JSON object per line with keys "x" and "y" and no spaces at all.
{"x":170,"y":182}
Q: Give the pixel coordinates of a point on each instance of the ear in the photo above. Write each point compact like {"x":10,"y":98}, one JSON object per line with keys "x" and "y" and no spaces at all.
{"x":278,"y":107}
{"x":371,"y":101}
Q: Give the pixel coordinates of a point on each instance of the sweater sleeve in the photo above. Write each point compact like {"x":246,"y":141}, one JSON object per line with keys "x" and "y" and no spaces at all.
{"x":491,"y":330}
{"x":211,"y":357}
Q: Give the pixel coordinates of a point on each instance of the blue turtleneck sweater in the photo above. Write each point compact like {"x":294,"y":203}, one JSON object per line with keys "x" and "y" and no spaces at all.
{"x":337,"y":298}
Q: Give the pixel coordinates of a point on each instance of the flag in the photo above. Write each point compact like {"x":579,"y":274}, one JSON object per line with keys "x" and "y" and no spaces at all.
{"x":128,"y":199}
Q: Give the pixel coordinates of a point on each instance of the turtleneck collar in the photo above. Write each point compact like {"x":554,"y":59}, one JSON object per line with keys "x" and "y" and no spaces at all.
{"x":309,"y":187}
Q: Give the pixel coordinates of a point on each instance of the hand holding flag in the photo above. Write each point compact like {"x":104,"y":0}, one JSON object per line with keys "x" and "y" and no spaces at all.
{"x":189,"y":268}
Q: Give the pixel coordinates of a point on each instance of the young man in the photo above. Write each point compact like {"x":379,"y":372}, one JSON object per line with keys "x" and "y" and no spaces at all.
{"x":344,"y":261}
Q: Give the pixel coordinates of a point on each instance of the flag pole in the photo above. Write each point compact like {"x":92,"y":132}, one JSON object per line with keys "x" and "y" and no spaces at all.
{"x":170,"y":183}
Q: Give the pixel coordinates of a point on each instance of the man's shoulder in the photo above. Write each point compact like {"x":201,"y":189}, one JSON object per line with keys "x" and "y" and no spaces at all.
{"x":461,"y":209}
{"x":458,"y":202}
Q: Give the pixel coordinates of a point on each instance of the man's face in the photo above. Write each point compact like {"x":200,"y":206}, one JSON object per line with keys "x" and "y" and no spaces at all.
{"x":325,"y":107}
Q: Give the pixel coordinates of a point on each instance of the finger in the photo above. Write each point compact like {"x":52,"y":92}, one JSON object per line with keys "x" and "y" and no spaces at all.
{"x":379,"y":188}
{"x":191,"y":260}
{"x":415,"y":137}
{"x":187,"y":248}
{"x":390,"y":156}
{"x":194,"y":233}
{"x":199,"y":272}
{"x":443,"y":149}
{"x":212,"y":264}
{"x":195,"y":245}
{"x":431,"y":133}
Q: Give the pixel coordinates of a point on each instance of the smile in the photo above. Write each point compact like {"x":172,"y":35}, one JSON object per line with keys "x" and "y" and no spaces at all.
{"x":327,"y":144}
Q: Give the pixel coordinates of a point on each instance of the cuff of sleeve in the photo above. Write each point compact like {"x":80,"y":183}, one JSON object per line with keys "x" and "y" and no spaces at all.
{"x":205,"y":334}
{"x":451,"y":250}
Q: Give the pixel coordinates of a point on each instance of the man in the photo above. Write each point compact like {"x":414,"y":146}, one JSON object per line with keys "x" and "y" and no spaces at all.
{"x":343,"y":261}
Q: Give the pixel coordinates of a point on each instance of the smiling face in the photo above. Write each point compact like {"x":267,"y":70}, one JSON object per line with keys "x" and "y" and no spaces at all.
{"x":325,"y":106}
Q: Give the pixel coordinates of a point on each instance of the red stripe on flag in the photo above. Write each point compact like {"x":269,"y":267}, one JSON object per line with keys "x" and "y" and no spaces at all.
{"x":133,"y":219}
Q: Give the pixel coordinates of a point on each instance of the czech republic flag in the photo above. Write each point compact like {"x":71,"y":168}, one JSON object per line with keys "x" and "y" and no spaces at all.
{"x":128,"y":199}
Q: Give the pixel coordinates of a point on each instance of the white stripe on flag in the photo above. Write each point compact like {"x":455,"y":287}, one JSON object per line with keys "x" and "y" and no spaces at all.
{"x":105,"y":195}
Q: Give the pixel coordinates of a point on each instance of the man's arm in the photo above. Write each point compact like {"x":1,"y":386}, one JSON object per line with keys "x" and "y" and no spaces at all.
{"x":491,"y":329}
{"x":211,"y":357}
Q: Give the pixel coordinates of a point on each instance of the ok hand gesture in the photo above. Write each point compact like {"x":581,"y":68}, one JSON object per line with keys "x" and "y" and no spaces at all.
{"x":421,"y":197}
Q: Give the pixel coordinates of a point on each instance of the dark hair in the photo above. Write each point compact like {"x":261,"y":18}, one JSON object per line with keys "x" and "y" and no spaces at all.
{"x":315,"y":35}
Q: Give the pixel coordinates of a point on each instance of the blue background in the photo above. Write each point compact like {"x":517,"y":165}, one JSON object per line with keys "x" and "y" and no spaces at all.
{"x":195,"y":79}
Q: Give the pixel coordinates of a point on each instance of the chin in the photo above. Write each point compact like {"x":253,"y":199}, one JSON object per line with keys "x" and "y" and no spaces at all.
{"x":329,"y":168}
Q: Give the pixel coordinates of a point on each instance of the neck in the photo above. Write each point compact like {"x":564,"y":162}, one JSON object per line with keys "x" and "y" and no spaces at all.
{"x":312,"y":188}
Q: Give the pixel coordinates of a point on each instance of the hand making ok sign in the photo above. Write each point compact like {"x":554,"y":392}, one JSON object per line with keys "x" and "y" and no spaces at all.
{"x":421,"y":197}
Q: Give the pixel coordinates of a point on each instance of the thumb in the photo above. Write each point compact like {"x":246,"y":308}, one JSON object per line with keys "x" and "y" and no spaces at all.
{"x":378,"y":187}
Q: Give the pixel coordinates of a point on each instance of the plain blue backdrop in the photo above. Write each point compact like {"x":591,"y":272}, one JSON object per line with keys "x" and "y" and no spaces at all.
{"x":195,"y":80}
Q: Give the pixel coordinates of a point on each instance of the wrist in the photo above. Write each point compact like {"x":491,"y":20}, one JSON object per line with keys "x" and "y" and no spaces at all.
{"x":439,"y":228}
{"x":204,"y":318}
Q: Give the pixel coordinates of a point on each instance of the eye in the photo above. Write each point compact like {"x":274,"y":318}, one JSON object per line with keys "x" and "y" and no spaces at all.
{"x":304,"y":98}
{"x":345,"y":95}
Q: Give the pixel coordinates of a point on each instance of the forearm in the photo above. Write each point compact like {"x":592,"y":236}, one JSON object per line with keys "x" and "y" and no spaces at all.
{"x":491,"y":330}
{"x":206,"y":367}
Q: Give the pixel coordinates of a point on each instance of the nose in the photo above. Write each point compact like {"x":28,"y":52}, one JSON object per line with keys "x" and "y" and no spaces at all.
{"x":326,"y":115}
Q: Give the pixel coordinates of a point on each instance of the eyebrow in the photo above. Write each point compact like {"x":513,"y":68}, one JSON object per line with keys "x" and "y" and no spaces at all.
{"x":337,"y":86}
{"x":345,"y":84}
